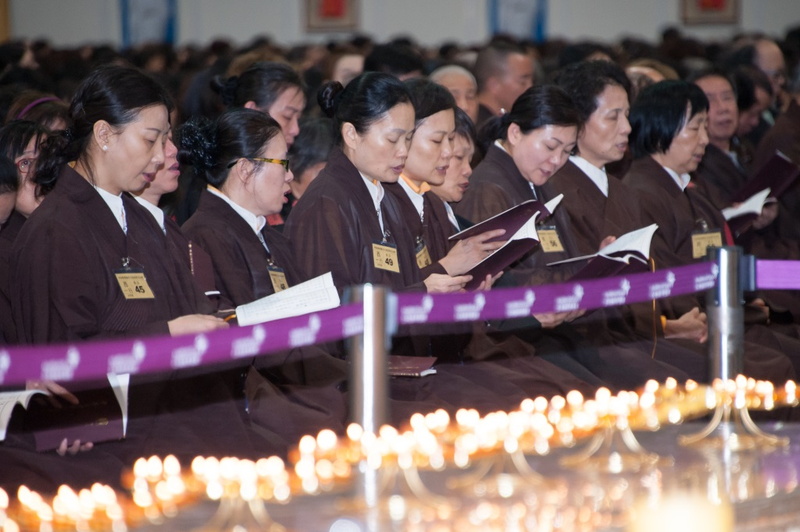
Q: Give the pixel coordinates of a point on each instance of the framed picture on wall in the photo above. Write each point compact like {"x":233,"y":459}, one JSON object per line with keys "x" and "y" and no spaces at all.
{"x":710,"y":11}
{"x":331,"y":15}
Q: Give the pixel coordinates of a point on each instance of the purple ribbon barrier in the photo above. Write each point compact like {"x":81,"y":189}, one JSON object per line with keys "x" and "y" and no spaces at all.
{"x":778,"y":274}
{"x":520,"y":302}
{"x":93,"y":359}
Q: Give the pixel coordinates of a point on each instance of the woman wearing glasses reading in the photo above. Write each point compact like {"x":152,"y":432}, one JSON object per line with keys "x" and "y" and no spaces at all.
{"x":242,"y":159}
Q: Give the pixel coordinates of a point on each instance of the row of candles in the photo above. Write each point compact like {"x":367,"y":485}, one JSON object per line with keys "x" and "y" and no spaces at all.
{"x":429,"y":442}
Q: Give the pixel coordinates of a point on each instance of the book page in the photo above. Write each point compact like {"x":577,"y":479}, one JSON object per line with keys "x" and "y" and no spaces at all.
{"x":120,"y":383}
{"x":8,"y":400}
{"x":313,"y":295}
{"x":637,"y":241}
{"x":753,"y":205}
{"x":553,"y":203}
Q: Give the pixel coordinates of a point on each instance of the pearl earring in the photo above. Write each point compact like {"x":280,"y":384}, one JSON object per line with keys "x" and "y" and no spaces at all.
{"x":105,"y":148}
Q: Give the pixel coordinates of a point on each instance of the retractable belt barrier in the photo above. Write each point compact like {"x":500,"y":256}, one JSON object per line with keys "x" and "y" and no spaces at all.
{"x":778,"y":274}
{"x":93,"y":359}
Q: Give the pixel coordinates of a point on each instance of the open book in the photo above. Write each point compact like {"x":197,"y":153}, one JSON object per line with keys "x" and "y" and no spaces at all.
{"x":629,"y":252}
{"x":313,"y":295}
{"x":518,"y":221}
{"x":777,"y":174}
{"x":100,"y":415}
{"x":739,"y":217}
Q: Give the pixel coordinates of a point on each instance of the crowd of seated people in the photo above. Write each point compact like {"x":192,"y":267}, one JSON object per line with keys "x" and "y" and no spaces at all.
{"x":276,"y":164}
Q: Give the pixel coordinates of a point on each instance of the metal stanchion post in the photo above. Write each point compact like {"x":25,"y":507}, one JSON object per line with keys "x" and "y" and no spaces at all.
{"x":731,"y":426}
{"x":369,"y":381}
{"x":725,"y":311}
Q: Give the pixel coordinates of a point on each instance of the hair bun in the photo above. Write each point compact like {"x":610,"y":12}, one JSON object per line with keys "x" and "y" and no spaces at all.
{"x":226,"y":88}
{"x":327,"y":96}
{"x":197,"y":144}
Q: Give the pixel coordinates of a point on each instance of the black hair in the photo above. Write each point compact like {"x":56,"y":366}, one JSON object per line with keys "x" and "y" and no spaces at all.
{"x":580,"y":51}
{"x":712,"y":72}
{"x":9,"y":178}
{"x":739,"y":55}
{"x":17,"y":134}
{"x":261,"y":83}
{"x":365,"y":100}
{"x":115,"y":94}
{"x":586,"y":80}
{"x":428,"y":98}
{"x":492,"y":60}
{"x":210,"y":147}
{"x":659,"y":113}
{"x":311,"y":146}
{"x":465,"y":127}
{"x":747,"y":79}
{"x":40,"y":107}
{"x":395,"y":59}
{"x":539,"y":106}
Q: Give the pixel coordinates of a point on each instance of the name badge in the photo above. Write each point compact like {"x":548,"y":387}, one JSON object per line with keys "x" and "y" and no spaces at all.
{"x":278,"y":277}
{"x":423,"y":257}
{"x":701,"y":241}
{"x":549,"y":239}
{"x":133,"y":284}
{"x":384,"y":257}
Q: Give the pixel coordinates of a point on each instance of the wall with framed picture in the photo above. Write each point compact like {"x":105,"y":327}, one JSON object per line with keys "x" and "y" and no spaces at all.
{"x":331,"y":15}
{"x":431,"y":22}
{"x":695,"y":12}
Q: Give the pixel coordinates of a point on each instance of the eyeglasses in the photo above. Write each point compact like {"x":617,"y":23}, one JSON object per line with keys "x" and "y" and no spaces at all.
{"x":24,"y":165}
{"x":282,"y":162}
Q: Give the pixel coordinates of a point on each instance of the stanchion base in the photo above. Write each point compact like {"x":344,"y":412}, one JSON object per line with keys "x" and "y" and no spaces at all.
{"x":732,"y":428}
{"x":503,"y":474}
{"x":399,"y":490}
{"x":615,"y":450}
{"x":237,"y":515}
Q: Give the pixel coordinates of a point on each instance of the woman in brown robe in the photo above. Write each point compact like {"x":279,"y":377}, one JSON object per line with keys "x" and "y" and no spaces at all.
{"x":532,"y":142}
{"x":598,"y":206}
{"x":489,"y":361}
{"x":65,"y":262}
{"x":669,"y":138}
{"x":346,"y":223}
{"x":20,"y":141}
{"x":242,"y":158}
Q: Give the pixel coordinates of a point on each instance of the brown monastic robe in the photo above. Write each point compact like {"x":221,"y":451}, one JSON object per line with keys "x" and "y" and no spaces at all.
{"x":679,"y":214}
{"x":496,"y":185}
{"x":290,"y":393}
{"x":784,"y":136}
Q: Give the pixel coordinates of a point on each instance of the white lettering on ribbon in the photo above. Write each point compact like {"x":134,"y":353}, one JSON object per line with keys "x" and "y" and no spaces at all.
{"x":5,"y":363}
{"x":521,"y":307}
{"x":190,"y":355}
{"x":127,"y":362}
{"x":61,"y":369}
{"x":570,"y":302}
{"x":352,"y":326}
{"x":617,"y":296}
{"x":470,"y":311}
{"x":664,"y":289}
{"x":306,"y":335}
{"x":249,"y":346}
{"x":704,"y":282}
{"x":419,"y":313}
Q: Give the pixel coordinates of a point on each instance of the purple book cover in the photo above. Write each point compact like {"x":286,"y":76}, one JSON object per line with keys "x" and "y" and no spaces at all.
{"x":777,"y":174}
